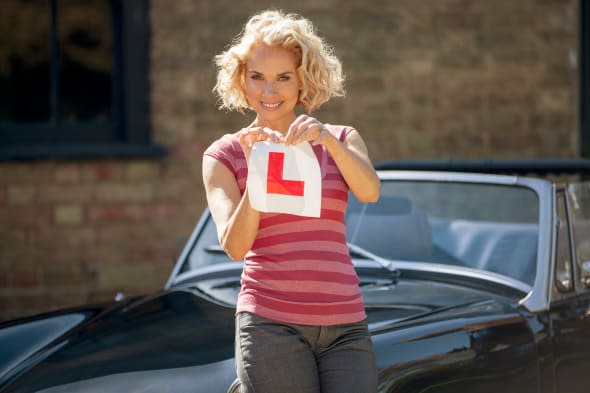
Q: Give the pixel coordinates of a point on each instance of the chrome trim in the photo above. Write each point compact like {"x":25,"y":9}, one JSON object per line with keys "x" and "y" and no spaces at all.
{"x":450,"y":177}
{"x":483,"y":275}
{"x":540,"y":297}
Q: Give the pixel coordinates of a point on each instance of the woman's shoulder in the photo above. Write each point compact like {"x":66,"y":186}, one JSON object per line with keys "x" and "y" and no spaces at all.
{"x":226,"y":149}
{"x":340,"y":131}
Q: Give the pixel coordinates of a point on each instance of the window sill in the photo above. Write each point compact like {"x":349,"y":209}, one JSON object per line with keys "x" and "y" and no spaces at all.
{"x":80,"y":151}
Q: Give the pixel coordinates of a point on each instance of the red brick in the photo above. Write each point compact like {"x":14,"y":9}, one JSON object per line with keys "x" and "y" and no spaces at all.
{"x":64,"y":237}
{"x":141,"y":170}
{"x":108,"y":213}
{"x":26,"y":173}
{"x":19,"y":237}
{"x":157,"y":253}
{"x":145,"y":212}
{"x":151,"y":212}
{"x":68,"y":173}
{"x":189,"y":150}
{"x":33,"y":215}
{"x":81,"y":193}
{"x":32,"y":256}
{"x":4,"y":279}
{"x":132,"y":277}
{"x":106,"y":254}
{"x":123,"y":192}
{"x":24,"y":279}
{"x":73,"y":276}
{"x":133,"y":233}
{"x":67,"y":299}
{"x":102,"y":171}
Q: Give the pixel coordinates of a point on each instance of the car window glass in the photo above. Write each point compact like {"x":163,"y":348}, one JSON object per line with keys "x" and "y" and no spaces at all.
{"x":482,"y":226}
{"x":579,"y":198}
{"x":563,"y":260}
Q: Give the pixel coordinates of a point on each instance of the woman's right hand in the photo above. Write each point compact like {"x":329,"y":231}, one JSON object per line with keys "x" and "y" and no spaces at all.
{"x":250,"y":135}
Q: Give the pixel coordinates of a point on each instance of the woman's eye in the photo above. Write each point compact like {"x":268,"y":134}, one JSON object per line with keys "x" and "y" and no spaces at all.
{"x":256,"y":77}
{"x":284,"y":78}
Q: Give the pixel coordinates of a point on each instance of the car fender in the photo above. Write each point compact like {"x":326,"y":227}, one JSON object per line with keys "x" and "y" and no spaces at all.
{"x":483,"y":347}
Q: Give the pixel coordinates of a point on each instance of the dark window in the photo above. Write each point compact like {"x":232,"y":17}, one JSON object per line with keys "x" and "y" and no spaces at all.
{"x":584,"y":93}
{"x":74,"y":79}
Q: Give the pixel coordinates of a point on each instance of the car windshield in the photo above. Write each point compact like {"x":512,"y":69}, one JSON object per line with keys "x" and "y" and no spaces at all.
{"x":481,"y":226}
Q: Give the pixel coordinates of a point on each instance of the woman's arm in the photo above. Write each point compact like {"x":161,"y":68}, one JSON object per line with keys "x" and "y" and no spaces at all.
{"x":352,"y":159}
{"x":236,"y":221}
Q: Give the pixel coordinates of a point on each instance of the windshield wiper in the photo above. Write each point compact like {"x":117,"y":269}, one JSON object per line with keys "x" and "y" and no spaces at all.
{"x":383,"y":262}
{"x":386,"y":264}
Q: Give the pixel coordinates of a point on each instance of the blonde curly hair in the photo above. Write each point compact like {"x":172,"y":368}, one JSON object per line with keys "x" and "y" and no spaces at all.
{"x":319,"y":70}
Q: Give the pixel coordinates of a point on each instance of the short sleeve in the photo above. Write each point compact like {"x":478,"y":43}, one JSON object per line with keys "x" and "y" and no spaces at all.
{"x":223,"y":151}
{"x":340,"y":132}
{"x":227,"y":150}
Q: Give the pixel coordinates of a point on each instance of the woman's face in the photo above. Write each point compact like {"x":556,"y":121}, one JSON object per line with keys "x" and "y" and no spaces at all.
{"x":272,"y":85}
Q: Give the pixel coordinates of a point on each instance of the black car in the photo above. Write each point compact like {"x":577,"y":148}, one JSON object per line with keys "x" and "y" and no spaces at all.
{"x":472,"y":283}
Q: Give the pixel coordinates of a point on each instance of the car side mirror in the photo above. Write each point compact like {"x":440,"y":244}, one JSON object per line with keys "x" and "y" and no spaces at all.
{"x":586,"y":273}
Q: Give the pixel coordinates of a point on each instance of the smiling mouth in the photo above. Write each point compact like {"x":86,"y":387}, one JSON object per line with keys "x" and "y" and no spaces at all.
{"x":270,"y":106}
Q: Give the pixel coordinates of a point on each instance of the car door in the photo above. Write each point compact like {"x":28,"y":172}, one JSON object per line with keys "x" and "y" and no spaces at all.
{"x":569,"y":315}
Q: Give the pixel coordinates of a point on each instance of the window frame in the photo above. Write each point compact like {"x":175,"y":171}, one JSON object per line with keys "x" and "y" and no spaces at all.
{"x":584,"y":78}
{"x":129,"y":132}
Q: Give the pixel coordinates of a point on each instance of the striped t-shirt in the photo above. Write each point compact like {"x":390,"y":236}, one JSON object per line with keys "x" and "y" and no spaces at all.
{"x":299,"y":269}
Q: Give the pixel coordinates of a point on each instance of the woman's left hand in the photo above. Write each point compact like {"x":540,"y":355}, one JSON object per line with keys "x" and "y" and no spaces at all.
{"x":306,"y":128}
{"x":351,"y":156}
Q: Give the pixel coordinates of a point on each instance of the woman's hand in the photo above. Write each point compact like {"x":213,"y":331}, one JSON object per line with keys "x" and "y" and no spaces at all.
{"x":306,"y":128}
{"x":351,"y":156}
{"x":250,"y":135}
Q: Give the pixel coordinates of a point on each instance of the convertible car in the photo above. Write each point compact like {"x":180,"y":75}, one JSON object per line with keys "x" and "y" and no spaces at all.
{"x":472,"y":282}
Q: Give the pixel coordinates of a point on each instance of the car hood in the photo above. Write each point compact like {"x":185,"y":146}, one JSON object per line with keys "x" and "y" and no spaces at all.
{"x":179,"y":339}
{"x":171,"y":330}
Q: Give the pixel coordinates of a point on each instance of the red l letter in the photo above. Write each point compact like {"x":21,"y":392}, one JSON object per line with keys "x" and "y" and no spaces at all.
{"x":275,"y":184}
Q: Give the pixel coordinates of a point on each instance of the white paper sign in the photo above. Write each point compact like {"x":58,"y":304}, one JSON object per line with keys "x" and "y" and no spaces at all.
{"x":285,"y":179}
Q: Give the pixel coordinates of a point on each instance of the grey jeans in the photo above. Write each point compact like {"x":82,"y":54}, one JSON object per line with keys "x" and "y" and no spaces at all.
{"x":274,"y":357}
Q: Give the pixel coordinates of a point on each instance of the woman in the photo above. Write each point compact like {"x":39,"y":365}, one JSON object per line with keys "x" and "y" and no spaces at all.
{"x":300,"y":322}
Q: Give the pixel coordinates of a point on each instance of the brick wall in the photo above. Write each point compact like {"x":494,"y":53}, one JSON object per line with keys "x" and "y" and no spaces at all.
{"x":427,"y":79}
{"x":76,"y":232}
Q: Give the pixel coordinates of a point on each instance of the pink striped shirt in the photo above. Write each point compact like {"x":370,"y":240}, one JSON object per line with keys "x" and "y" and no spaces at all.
{"x":299,"y":269}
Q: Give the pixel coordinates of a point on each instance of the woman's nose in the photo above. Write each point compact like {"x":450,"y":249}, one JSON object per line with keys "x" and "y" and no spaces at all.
{"x":269,"y":88}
